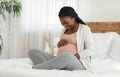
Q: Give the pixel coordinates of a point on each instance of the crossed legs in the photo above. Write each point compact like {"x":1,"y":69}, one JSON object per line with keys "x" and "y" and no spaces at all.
{"x":43,"y":60}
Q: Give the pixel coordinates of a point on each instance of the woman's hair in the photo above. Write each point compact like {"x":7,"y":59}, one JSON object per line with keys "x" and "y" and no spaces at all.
{"x":69,"y":11}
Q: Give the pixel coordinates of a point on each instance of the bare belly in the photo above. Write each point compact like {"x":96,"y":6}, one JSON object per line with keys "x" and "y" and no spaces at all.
{"x":69,"y":48}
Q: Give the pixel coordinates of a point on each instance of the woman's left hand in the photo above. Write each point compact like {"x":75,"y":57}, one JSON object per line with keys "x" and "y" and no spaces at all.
{"x":77,"y":55}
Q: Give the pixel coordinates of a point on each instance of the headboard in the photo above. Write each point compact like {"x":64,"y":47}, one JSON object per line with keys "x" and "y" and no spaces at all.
{"x":101,"y":27}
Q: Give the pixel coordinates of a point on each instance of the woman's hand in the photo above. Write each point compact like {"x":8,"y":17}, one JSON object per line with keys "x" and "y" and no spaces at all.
{"x":77,"y":55}
{"x":62,"y":42}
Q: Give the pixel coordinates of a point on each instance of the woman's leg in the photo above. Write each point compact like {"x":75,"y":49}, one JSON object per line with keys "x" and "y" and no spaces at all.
{"x":45,"y":54}
{"x":65,"y":61}
{"x":38,"y":56}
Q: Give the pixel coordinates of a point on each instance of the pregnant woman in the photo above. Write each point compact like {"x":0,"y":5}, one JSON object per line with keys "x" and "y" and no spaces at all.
{"x":75,"y":46}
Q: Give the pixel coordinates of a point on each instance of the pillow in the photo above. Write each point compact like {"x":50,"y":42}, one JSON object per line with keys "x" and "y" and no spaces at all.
{"x":115,"y":49}
{"x":102,"y":43}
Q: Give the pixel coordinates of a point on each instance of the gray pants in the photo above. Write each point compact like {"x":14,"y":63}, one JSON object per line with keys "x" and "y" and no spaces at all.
{"x":44,"y":60}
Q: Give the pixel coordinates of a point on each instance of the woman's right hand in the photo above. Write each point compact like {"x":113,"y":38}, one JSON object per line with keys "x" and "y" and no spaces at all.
{"x":62,"y":42}
{"x":77,"y":55}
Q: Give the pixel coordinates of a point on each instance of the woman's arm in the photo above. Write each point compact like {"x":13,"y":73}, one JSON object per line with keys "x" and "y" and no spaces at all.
{"x":88,"y":43}
{"x":62,"y":42}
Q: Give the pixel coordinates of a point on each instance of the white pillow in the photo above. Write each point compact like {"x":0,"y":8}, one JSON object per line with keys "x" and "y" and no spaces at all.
{"x":115,"y":49}
{"x":102,"y":44}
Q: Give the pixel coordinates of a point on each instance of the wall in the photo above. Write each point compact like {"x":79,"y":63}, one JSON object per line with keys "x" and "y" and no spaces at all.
{"x":99,"y":10}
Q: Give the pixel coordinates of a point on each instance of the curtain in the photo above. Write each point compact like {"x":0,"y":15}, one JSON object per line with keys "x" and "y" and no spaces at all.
{"x":38,"y":18}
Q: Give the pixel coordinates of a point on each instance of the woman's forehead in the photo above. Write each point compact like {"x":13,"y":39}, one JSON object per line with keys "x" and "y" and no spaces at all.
{"x":65,"y":18}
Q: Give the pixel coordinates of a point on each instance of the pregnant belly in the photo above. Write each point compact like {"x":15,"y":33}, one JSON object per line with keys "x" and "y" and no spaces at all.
{"x":69,"y":48}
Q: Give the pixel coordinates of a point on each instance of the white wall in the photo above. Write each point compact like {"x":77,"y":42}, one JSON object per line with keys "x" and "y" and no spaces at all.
{"x":99,"y":10}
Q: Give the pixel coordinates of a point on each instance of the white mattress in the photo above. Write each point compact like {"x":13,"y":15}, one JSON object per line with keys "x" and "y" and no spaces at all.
{"x":23,"y":68}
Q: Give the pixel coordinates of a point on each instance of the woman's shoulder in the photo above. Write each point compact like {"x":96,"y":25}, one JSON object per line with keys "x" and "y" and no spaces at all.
{"x":84,"y":26}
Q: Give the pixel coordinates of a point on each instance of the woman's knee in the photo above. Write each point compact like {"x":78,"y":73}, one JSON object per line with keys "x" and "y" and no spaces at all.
{"x":31,"y":52}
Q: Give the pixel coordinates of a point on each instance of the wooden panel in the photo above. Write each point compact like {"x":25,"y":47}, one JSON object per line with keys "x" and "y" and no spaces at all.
{"x":104,"y":26}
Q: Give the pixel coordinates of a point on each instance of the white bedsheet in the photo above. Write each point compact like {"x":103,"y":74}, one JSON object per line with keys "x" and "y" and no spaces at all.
{"x":23,"y":68}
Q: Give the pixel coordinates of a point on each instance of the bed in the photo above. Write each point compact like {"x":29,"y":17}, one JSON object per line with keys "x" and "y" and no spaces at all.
{"x":23,"y":68}
{"x":109,"y":66}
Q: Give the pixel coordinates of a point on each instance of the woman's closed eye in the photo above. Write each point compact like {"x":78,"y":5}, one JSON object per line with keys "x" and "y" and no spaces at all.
{"x":65,"y":23}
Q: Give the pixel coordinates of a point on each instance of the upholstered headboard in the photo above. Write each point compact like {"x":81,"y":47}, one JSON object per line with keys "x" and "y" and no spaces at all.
{"x":101,"y":27}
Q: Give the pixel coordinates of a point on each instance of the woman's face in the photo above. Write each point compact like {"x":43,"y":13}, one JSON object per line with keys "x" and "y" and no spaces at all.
{"x":67,"y":21}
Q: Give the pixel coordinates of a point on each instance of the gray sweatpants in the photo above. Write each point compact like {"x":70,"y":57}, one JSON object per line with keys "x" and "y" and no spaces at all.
{"x":44,"y":60}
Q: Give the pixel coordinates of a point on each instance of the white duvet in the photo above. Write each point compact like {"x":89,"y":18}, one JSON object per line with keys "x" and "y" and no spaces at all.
{"x":23,"y":68}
